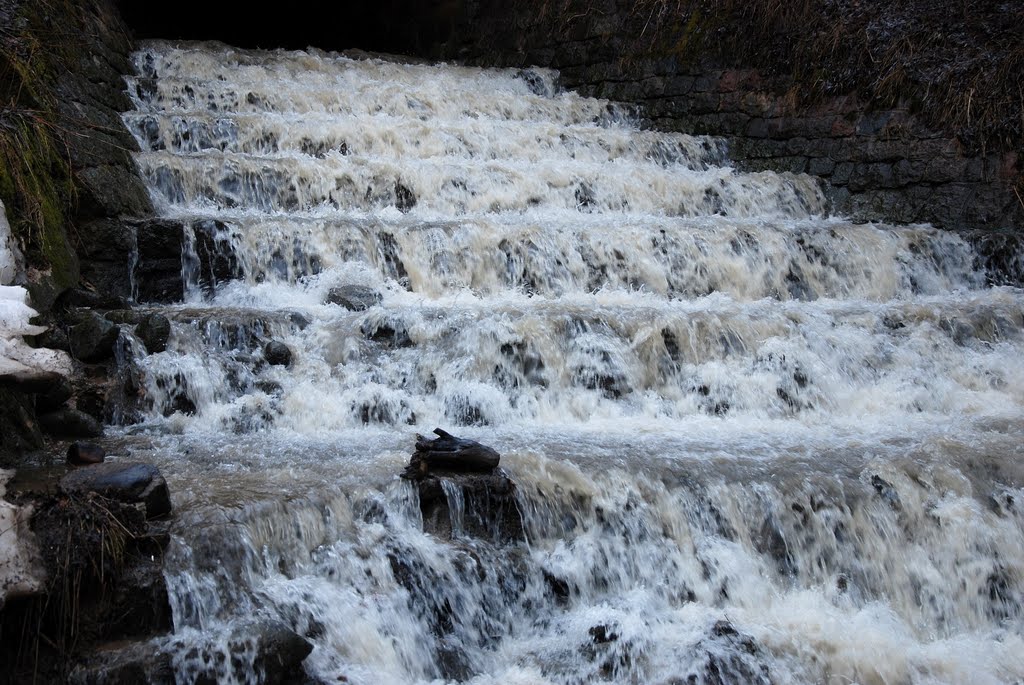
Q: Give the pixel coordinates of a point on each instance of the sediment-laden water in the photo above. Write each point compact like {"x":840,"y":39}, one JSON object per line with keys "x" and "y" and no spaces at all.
{"x":751,"y":442}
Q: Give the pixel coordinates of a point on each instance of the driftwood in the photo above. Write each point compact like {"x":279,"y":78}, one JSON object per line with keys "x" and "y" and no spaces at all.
{"x":452,"y":454}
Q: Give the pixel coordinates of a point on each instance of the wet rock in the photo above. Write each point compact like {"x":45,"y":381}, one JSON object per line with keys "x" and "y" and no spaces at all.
{"x":447,"y":453}
{"x":154,"y":330}
{"x":602,"y":634}
{"x":585,"y":199}
{"x":128,"y":483}
{"x":465,"y":411}
{"x":771,"y":542}
{"x":92,"y":337}
{"x":470,"y":504}
{"x":280,"y":653}
{"x":387,"y":331}
{"x":298,"y":321}
{"x":379,"y":410}
{"x":77,"y":297}
{"x":266,"y":652}
{"x":1002,"y":503}
{"x":461,"y":491}
{"x":85,"y":453}
{"x":536,"y":82}
{"x":405,"y":198}
{"x":558,"y":587}
{"x":356,"y":298}
{"x":118,"y":664}
{"x":391,"y":258}
{"x":886,"y":492}
{"x":214,"y":247}
{"x":70,"y":423}
{"x":157,"y":269}
{"x":453,"y":663}
{"x":729,"y":656}
{"x":277,"y":353}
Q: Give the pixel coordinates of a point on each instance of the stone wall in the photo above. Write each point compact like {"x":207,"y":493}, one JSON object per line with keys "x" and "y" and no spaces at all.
{"x":73,"y":209}
{"x":877,"y":164}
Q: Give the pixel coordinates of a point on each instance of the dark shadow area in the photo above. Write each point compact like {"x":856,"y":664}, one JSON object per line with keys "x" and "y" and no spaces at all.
{"x":395,"y":26}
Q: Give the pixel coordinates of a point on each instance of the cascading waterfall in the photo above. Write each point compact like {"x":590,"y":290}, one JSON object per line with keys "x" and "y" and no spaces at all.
{"x":751,"y":443}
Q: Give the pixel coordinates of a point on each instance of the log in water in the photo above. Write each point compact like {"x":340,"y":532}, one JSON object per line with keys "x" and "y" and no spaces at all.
{"x":751,"y":442}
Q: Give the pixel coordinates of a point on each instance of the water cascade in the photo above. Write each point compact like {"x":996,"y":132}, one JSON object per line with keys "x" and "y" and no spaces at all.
{"x":750,"y":442}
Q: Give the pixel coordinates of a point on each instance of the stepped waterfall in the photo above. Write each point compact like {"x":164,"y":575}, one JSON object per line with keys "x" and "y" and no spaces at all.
{"x":751,"y":442}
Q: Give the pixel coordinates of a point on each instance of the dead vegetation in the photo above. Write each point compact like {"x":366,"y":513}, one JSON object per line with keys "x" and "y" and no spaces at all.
{"x":959,"y":65}
{"x":84,"y":542}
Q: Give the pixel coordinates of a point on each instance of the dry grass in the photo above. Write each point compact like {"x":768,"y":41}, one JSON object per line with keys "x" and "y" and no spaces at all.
{"x":959,"y":65}
{"x":83,"y":541}
{"x":36,"y":182}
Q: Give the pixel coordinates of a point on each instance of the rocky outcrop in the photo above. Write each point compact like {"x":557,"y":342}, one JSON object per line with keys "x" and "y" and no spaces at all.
{"x":462,"y":492}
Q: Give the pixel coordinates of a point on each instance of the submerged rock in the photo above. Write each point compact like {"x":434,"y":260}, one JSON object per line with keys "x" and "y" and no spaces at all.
{"x":128,"y":483}
{"x":277,"y":353}
{"x":387,"y":331}
{"x":357,"y":298}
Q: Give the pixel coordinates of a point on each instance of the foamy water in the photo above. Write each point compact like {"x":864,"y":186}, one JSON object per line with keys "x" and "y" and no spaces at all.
{"x":752,"y":442}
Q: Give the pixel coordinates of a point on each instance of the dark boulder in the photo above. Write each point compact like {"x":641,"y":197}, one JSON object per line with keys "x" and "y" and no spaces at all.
{"x":157,"y":271}
{"x":85,"y":453}
{"x":78,"y":297}
{"x":128,"y":483}
{"x":154,"y":331}
{"x":54,"y":338}
{"x":55,"y":395}
{"x":470,"y":504}
{"x":70,"y":423}
{"x":277,"y":353}
{"x":280,"y":653}
{"x":19,"y":431}
{"x":36,"y":382}
{"x":461,"y":490}
{"x":448,"y":453}
{"x":92,"y":337}
{"x":132,"y":317}
{"x":356,"y":298}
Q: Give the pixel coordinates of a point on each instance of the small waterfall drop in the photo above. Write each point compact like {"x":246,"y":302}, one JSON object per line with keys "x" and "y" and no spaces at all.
{"x":751,"y":443}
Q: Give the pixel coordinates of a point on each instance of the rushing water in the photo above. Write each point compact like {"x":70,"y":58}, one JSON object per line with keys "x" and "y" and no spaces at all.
{"x":751,"y":442}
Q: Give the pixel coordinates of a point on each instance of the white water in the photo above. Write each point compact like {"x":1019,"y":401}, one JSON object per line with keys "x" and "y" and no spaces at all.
{"x":718,"y":404}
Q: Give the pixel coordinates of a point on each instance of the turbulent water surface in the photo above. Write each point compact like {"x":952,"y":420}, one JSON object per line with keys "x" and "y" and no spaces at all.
{"x":752,"y":442}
